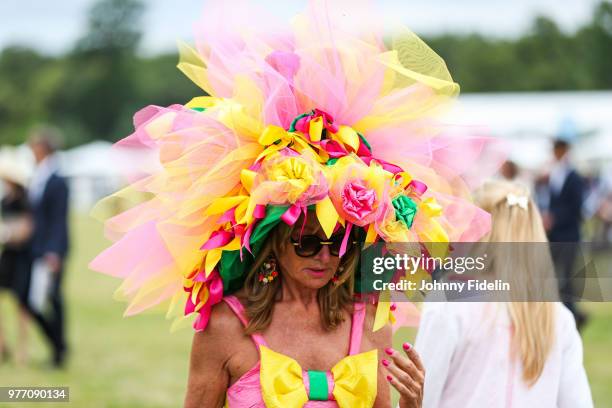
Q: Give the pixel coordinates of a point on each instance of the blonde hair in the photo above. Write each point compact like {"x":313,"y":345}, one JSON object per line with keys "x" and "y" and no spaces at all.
{"x":530,"y":271}
{"x":333,"y":298}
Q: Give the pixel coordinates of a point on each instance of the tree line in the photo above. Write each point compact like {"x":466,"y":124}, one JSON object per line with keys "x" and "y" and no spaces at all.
{"x":92,"y":91}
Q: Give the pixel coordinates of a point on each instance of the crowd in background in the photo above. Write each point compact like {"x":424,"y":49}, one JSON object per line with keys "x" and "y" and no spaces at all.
{"x":34,"y":239}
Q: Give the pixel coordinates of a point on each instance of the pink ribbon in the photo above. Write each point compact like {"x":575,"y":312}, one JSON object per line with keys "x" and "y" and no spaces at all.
{"x":218,"y":239}
{"x":418,"y":187}
{"x":258,"y":214}
{"x":228,"y":216}
{"x":292,"y":214}
{"x":347,"y":233}
{"x":257,"y":165}
{"x":390,"y":167}
{"x":303,"y":124}
{"x":215,"y":291}
{"x":303,"y":223}
{"x":260,"y":211}
{"x":363,"y":150}
{"x":333,"y":148}
{"x":214,"y":285}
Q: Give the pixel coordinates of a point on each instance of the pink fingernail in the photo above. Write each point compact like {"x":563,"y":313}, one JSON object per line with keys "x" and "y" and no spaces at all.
{"x":407,"y":346}
{"x":385,"y":363}
{"x":389,"y":378}
{"x":389,"y":351}
{"x":393,"y":307}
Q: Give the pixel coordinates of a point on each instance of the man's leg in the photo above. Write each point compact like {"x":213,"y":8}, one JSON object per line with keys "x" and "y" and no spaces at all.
{"x":52,"y":320}
{"x":57,"y":321}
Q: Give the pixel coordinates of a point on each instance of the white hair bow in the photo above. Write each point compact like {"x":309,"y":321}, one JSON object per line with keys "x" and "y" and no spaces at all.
{"x":521,"y":201}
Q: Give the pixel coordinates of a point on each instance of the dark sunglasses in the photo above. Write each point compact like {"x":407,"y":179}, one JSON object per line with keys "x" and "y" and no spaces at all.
{"x":310,"y":245}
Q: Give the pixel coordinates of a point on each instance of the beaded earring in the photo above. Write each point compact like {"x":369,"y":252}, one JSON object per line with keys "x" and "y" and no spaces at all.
{"x":267,"y":271}
{"x":336,"y":276}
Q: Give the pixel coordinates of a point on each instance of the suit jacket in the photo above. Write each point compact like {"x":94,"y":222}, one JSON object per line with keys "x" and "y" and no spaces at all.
{"x":50,"y":215}
{"x":566,"y":209}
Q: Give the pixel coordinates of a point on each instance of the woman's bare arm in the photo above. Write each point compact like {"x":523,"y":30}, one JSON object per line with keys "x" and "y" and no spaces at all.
{"x":210,"y":353}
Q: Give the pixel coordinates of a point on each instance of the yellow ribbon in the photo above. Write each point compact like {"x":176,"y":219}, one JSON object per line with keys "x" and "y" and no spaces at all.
{"x":382,"y":310}
{"x":282,"y":385}
{"x":277,"y":138}
{"x":348,"y":136}
{"x":327,"y":215}
{"x":432,"y":234}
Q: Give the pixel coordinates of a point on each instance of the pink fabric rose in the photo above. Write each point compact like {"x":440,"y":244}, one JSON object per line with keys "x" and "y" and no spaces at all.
{"x":358,"y":200}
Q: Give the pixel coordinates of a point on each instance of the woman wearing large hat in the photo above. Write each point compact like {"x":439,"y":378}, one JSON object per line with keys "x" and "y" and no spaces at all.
{"x":315,"y":138}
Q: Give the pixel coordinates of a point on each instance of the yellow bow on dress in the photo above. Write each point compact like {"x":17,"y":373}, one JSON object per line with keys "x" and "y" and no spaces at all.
{"x":282,"y":385}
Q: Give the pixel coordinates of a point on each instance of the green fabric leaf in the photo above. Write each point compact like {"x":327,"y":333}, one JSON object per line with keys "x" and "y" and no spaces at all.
{"x":405,"y":209}
{"x":231,"y":268}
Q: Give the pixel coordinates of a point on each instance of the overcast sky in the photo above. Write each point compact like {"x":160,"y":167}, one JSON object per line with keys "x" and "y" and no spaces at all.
{"x":53,"y":26}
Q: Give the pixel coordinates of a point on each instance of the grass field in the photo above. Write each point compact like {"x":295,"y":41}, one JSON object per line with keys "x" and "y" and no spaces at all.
{"x":136,"y":362}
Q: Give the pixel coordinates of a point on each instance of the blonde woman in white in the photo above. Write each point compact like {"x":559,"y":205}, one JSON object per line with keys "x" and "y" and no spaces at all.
{"x":505,"y":354}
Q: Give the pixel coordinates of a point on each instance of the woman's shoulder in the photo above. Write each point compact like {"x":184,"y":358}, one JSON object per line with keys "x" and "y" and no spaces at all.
{"x":564,"y":319}
{"x":222,"y":324}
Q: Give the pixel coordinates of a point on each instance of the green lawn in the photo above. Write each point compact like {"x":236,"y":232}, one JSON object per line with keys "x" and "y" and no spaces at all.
{"x":114,"y":361}
{"x":137,"y":362}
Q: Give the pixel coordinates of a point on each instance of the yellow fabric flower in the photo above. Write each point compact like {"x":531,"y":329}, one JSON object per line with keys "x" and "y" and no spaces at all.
{"x":295,"y":173}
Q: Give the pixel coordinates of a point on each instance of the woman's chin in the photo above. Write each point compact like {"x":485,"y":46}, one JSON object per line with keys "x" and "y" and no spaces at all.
{"x":316,"y":283}
{"x":315,"y":279}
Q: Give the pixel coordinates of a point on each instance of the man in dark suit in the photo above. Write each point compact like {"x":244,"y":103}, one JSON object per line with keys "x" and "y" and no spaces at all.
{"x":563,"y":222}
{"x":48,"y":196}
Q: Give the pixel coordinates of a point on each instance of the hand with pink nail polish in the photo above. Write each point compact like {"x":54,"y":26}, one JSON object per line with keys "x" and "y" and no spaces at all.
{"x":406,"y":375}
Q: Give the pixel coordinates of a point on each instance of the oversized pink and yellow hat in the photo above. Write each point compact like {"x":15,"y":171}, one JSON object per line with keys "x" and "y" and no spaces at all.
{"x":311,"y":115}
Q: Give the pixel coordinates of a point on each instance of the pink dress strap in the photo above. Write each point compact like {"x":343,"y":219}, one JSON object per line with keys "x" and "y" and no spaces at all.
{"x":238,"y":309}
{"x":357,"y":322}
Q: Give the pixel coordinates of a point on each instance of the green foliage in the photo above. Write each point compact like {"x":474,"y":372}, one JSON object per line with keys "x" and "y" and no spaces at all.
{"x":98,"y":77}
{"x":93,"y":91}
{"x":114,"y":27}
{"x":544,"y":59}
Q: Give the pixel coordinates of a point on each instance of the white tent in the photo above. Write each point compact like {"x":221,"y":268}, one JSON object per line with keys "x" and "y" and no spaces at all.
{"x":530,"y":120}
{"x":98,"y":169}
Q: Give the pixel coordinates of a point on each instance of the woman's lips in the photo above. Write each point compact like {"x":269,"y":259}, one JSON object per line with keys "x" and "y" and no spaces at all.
{"x":319,"y":273}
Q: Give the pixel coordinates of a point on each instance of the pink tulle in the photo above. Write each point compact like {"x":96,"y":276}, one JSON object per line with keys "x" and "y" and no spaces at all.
{"x":273,"y":72}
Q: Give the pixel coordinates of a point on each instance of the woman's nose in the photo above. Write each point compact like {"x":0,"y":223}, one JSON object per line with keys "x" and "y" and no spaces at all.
{"x":324,"y":254}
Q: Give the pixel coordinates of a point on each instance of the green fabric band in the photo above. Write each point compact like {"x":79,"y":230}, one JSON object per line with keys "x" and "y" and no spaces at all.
{"x":318,"y":385}
{"x":364,"y":140}
{"x":294,"y":121}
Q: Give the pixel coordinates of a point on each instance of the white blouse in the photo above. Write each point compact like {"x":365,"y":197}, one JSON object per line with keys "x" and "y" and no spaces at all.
{"x":465,"y":351}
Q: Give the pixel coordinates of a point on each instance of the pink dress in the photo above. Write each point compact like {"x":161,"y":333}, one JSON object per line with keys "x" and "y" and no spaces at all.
{"x":246,"y":392}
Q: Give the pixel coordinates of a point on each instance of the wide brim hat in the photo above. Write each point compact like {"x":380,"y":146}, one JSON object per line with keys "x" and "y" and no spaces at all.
{"x":319,"y":114}
{"x":13,"y":169}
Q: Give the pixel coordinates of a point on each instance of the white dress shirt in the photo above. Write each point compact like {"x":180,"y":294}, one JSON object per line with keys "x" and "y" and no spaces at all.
{"x":42,"y":173}
{"x":558,"y":174}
